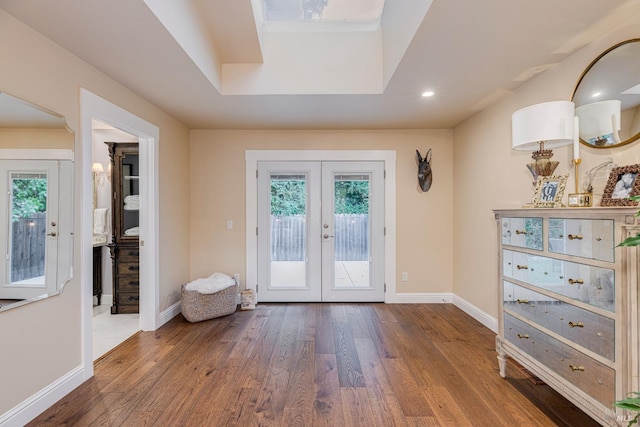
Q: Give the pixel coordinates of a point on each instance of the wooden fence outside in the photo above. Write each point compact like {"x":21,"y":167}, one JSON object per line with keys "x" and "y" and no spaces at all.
{"x":28,"y":242}
{"x":351,"y":231}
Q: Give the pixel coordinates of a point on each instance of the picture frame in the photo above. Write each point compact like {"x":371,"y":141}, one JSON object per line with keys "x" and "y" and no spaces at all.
{"x":624,"y":182}
{"x":549,"y":191}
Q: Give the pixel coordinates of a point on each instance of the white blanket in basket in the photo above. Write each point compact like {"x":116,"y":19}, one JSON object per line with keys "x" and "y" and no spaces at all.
{"x":212,"y":284}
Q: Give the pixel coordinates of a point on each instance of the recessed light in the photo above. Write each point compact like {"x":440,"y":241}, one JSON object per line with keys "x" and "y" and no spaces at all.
{"x":427,"y":94}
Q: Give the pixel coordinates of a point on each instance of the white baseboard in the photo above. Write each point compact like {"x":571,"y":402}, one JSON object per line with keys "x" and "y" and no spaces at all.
{"x":445,"y":298}
{"x":419,"y":298}
{"x":169,"y":313}
{"x":473,"y":311}
{"x":42,"y":400}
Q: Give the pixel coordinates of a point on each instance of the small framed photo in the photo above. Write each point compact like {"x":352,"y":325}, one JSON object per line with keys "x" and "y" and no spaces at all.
{"x":549,"y":191}
{"x":623,"y":183}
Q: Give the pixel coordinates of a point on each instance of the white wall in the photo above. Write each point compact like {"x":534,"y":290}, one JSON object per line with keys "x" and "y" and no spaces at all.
{"x":424,"y":220}
{"x":42,"y":341}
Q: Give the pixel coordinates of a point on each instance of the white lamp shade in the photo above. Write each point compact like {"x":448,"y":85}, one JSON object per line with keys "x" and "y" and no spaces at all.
{"x":599,"y":119}
{"x":549,"y":122}
{"x":97,"y":167}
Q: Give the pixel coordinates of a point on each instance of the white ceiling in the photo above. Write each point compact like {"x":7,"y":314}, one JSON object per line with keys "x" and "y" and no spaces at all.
{"x":469,"y":52}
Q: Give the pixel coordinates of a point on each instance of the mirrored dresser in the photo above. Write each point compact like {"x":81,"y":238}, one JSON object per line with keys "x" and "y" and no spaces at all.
{"x":569,"y":297}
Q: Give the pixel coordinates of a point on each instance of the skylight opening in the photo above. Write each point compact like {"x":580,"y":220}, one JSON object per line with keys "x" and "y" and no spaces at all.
{"x":301,"y":15}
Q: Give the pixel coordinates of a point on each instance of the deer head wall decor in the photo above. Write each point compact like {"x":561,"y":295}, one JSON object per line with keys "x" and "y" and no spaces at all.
{"x":425,"y":176}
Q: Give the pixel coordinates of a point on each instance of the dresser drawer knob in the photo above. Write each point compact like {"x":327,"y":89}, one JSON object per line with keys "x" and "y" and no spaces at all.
{"x":521,"y":232}
{"x":134,"y":268}
{"x":574,"y":281}
{"x":575,"y":368}
{"x":522,"y":301}
{"x":576,"y":325}
{"x":525,"y":336}
{"x":521,"y":267}
{"x":574,"y":236}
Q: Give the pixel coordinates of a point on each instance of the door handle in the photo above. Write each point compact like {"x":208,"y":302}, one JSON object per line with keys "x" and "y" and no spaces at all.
{"x":326,"y":236}
{"x":52,"y":234}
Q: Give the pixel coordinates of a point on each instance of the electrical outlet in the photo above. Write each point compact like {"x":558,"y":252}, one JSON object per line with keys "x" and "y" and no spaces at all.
{"x":229,"y":224}
{"x":405,"y":276}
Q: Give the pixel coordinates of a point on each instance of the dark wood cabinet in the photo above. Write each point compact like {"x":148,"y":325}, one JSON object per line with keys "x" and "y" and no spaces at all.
{"x":97,"y":272}
{"x":125,"y":205}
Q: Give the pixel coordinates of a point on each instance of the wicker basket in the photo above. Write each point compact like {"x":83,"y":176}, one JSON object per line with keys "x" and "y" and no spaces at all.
{"x":197,"y":307}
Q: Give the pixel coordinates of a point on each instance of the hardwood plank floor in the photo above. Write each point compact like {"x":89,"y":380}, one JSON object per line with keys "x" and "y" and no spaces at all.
{"x":313,"y":365}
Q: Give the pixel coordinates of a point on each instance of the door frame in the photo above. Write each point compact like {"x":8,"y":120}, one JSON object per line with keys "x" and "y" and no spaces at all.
{"x":94,"y":107}
{"x":251,"y":166}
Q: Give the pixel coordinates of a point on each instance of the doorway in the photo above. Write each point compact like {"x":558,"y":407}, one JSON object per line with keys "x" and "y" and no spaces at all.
{"x":321,"y":231}
{"x":94,"y":107}
{"x":109,"y":330}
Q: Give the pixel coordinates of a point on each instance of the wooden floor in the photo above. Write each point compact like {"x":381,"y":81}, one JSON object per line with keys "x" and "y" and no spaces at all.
{"x":313,"y":365}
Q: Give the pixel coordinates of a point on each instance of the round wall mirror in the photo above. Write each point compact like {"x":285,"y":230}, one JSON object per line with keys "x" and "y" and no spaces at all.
{"x":607,"y":97}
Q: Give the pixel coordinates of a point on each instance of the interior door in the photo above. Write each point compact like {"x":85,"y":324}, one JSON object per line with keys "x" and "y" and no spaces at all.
{"x":28,"y":228}
{"x":320,"y":231}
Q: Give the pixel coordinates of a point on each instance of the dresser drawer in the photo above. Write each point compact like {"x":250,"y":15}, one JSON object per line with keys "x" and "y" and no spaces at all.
{"x":129,"y":268}
{"x":586,"y":283}
{"x":592,"y":377}
{"x":129,"y":254}
{"x":522,"y":232}
{"x":586,"y":238}
{"x":128,"y":298}
{"x":527,"y":303}
{"x":587,"y":329}
{"x":128,"y":284}
{"x":524,"y":336}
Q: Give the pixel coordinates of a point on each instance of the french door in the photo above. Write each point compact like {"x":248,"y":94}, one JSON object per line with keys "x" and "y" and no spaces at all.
{"x":321,"y":231}
{"x":28,"y":228}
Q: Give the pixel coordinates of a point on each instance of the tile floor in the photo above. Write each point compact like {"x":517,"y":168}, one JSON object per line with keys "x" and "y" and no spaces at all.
{"x":109,"y":330}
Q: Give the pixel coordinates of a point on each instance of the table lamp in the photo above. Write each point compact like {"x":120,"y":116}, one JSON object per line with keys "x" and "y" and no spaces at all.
{"x":540,"y":128}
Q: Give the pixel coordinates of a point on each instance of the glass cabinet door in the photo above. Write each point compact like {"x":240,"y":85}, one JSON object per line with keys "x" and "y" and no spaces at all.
{"x":130,"y":190}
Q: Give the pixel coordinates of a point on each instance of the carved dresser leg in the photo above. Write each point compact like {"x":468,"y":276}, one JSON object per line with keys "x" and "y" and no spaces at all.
{"x":502,"y":358}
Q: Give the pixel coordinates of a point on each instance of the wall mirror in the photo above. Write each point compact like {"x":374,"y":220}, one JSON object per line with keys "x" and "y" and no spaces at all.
{"x":607,"y":97}
{"x":36,"y":212}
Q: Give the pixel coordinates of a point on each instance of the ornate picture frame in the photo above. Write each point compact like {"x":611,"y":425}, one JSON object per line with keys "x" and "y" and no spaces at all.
{"x":624,"y":182}
{"x":549,"y":191}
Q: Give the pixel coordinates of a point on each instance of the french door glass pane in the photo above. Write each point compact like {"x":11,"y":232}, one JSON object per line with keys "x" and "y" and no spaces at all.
{"x":351,"y":230}
{"x":288,"y":230}
{"x":28,"y":228}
